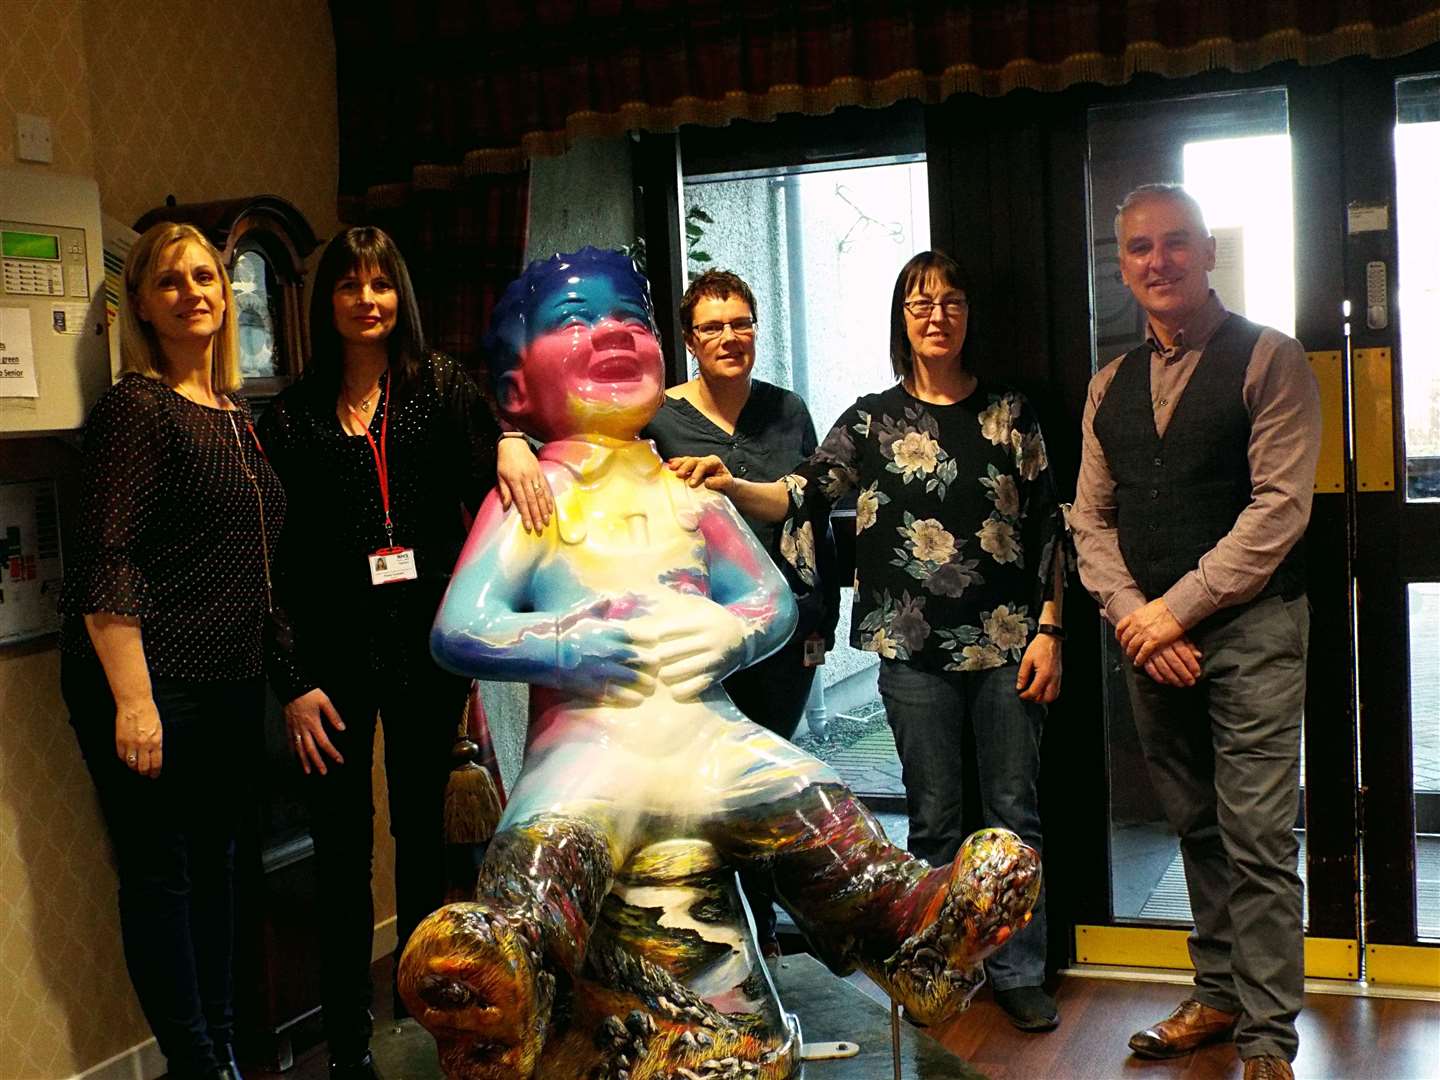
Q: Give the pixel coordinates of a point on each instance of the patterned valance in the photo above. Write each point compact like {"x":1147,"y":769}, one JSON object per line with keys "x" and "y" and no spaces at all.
{"x":438,"y":90}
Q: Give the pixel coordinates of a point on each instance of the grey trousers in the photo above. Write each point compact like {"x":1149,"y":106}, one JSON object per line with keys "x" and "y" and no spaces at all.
{"x":1224,"y":757}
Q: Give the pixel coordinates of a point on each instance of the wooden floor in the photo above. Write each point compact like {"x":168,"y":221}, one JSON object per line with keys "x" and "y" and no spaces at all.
{"x":1341,"y":1037}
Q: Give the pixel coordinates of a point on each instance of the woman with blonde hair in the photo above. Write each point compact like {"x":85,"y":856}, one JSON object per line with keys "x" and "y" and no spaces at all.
{"x":164,"y":610}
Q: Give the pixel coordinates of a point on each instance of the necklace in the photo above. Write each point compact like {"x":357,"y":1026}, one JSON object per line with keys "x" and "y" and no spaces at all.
{"x":367,"y":402}
{"x":189,"y":395}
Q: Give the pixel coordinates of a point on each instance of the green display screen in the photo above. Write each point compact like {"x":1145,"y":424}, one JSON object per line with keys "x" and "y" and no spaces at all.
{"x":29,"y":245}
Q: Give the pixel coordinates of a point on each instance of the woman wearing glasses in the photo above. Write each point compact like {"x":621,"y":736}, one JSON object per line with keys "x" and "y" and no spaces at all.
{"x":760,"y":432}
{"x":959,"y":571}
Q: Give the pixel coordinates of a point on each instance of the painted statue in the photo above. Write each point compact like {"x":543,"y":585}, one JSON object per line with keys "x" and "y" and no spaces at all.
{"x":608,"y":938}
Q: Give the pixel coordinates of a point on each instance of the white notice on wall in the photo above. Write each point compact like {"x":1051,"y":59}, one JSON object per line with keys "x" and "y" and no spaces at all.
{"x":17,"y":354}
{"x":1228,"y":277}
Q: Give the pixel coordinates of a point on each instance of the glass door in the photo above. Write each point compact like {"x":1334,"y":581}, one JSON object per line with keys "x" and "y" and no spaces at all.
{"x":818,"y":216}
{"x":1417,"y":163}
{"x":1393,"y":277}
{"x":1233,"y":152}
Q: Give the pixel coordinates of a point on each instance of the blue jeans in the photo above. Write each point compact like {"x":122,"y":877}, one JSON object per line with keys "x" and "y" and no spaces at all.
{"x":928,"y":712}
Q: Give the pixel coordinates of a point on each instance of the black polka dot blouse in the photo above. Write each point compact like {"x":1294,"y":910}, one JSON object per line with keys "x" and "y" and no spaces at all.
{"x":170,"y":531}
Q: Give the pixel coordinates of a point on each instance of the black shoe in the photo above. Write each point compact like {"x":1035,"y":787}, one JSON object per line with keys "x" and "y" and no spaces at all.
{"x":1029,"y":1008}
{"x":363,"y":1069}
{"x":229,"y":1067}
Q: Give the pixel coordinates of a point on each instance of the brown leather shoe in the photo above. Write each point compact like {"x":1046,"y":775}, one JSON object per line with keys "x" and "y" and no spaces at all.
{"x":1192,"y":1024}
{"x":1268,"y":1068}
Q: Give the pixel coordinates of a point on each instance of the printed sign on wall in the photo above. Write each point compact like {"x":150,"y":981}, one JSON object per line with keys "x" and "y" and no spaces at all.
{"x":17,"y":354}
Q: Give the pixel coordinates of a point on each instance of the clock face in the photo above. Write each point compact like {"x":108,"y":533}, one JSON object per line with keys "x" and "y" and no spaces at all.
{"x":250,"y":279}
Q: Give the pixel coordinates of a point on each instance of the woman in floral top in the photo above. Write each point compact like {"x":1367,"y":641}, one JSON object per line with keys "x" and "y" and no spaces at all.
{"x":958,"y":580}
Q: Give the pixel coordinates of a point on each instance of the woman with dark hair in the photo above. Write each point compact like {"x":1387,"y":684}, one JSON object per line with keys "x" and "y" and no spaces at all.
{"x":383,"y":447}
{"x":760,"y":432}
{"x":164,"y":607}
{"x":959,"y":568}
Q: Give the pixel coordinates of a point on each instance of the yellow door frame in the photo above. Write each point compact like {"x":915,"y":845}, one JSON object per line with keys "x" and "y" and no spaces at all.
{"x":1325,"y":958}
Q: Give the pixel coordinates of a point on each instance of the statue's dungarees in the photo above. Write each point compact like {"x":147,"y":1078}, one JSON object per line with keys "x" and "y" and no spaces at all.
{"x":619,"y":764}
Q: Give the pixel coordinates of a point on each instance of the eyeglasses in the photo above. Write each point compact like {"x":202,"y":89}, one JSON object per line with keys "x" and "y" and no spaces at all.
{"x":741,"y":327}
{"x":922,"y":309}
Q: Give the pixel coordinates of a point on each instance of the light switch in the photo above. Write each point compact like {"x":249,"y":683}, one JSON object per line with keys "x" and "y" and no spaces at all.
{"x":32,"y":138}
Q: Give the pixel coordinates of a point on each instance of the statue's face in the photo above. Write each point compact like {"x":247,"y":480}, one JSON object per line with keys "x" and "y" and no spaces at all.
{"x":592,"y":364}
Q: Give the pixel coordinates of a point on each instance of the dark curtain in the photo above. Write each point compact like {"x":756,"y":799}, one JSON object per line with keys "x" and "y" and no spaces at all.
{"x":431,"y":138}
{"x":469,"y":87}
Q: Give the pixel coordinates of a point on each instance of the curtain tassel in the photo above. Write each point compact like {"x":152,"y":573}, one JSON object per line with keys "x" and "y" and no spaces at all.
{"x":474,"y":795}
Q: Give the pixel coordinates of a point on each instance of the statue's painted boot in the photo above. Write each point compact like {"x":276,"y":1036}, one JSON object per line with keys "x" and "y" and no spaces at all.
{"x":918,"y":931}
{"x":481,"y":977}
{"x":474,"y":980}
{"x":988,"y":894}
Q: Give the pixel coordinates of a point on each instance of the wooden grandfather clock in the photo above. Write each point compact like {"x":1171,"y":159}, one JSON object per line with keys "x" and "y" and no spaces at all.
{"x":265,"y":242}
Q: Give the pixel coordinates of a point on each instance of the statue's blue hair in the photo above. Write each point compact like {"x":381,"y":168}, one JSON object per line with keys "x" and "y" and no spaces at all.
{"x":510,"y":325}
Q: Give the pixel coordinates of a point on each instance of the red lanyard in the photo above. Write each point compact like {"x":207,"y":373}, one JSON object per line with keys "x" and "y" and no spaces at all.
{"x":251,"y":428}
{"x":382,"y":463}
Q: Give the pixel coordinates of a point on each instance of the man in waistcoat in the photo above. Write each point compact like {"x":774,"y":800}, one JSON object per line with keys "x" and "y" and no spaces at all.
{"x":1194,"y":493}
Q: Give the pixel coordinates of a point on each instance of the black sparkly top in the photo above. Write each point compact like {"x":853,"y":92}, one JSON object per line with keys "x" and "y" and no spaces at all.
{"x":440,"y":448}
{"x":170,"y":531}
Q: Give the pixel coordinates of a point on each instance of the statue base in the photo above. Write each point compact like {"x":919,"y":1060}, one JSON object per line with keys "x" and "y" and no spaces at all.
{"x":831,"y":1009}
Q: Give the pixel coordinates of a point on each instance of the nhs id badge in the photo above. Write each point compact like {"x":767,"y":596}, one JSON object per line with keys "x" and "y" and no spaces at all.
{"x":392,"y":564}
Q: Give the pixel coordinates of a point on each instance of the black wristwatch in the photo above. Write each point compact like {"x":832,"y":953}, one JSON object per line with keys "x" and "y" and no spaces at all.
{"x":1051,"y":629}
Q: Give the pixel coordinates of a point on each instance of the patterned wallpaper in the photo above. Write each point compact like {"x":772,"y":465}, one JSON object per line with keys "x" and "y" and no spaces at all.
{"x":60,"y":958}
{"x":244,"y":105}
{"x":44,"y":72}
{"x":205,"y":101}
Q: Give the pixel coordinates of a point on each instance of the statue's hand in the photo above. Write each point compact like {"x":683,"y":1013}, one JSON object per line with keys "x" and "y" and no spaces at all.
{"x":697,"y":643}
{"x":606,"y":656}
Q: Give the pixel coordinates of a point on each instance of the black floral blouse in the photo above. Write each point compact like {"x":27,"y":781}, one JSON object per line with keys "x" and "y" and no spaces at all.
{"x":956,"y":524}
